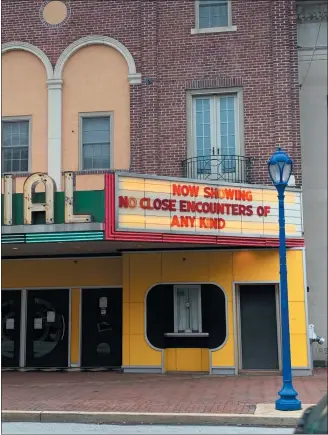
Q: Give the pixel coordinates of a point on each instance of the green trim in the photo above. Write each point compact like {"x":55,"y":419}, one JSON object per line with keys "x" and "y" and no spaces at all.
{"x":75,"y":236}
{"x":85,"y":202}
{"x":12,"y":238}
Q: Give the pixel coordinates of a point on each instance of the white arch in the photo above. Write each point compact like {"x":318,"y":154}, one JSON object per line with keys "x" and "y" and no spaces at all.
{"x":133,"y":76}
{"x":25,"y":46}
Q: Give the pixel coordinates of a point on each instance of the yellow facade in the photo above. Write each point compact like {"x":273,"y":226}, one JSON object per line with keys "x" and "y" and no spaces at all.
{"x":137,"y":273}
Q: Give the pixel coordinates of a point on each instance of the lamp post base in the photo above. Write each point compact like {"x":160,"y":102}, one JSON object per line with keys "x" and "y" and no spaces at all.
{"x":287,"y":400}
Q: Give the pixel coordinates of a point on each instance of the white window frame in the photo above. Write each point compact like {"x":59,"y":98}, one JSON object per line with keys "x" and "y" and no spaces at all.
{"x":83,"y":115}
{"x":229,"y":28}
{"x":176,"y":316}
{"x":215,"y":126}
{"x":18,"y":119}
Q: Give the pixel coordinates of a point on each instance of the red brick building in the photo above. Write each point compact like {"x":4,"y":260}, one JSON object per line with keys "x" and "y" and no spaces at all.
{"x":152,"y":243}
{"x":256,"y":51}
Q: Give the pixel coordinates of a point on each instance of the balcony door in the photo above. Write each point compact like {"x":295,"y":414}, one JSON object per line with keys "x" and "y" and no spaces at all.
{"x":215,"y":132}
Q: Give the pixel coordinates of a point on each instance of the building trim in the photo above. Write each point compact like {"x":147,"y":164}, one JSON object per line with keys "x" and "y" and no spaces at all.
{"x":51,"y":228}
{"x":309,"y":353}
{"x":25,"y":46}
{"x":143,"y":369}
{"x":133,"y":76}
{"x":311,"y":11}
{"x":225,"y":371}
{"x":301,"y":371}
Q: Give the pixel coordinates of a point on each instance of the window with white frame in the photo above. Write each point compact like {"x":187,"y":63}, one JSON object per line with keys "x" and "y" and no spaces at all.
{"x":95,"y":141}
{"x":215,"y":130}
{"x":213,"y":13}
{"x":187,"y":309}
{"x":15,"y":143}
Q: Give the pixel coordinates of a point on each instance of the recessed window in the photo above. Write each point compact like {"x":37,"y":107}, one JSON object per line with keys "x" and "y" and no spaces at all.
{"x":215,"y":131}
{"x":187,"y":309}
{"x":213,"y":16}
{"x":213,"y":13}
{"x":95,"y":142}
{"x":15,"y":143}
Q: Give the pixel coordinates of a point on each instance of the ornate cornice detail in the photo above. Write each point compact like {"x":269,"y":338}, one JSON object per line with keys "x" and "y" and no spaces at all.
{"x":312,"y":11}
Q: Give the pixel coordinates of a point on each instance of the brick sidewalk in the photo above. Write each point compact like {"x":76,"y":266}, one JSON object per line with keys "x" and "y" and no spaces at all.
{"x":110,"y":391}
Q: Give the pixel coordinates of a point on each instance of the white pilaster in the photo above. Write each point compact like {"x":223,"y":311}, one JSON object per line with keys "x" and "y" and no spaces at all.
{"x":55,"y":130}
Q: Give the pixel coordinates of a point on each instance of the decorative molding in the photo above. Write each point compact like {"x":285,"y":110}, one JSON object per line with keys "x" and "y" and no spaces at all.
{"x":25,"y":46}
{"x":54,"y":26}
{"x":217,"y":83}
{"x":312,"y":11}
{"x":133,"y":76}
{"x":142,"y":369}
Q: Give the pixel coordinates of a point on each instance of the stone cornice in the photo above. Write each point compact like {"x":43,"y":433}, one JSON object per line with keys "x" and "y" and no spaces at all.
{"x":311,"y":11}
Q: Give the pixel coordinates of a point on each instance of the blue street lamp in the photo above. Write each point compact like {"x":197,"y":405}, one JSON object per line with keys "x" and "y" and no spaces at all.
{"x":280,"y":167}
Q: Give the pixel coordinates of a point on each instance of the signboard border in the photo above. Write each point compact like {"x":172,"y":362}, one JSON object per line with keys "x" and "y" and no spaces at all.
{"x":142,"y":235}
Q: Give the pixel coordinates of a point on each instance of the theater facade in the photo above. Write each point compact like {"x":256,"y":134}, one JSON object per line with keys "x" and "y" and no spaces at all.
{"x":149,"y":274}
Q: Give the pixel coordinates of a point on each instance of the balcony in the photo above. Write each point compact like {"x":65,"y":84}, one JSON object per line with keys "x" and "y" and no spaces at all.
{"x":230,"y":169}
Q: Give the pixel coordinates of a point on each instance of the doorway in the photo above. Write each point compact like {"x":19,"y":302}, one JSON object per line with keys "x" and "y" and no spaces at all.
{"x":258,"y":332}
{"x":101,"y":340}
{"x":47,"y":328}
{"x":11,"y":325}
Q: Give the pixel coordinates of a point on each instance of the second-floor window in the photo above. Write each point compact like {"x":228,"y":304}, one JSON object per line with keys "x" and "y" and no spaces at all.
{"x":215,"y":125}
{"x":95,"y":141}
{"x":15,"y":143}
{"x":213,"y":13}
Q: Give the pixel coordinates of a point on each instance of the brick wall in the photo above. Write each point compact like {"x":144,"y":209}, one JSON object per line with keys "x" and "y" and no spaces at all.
{"x":261,"y":57}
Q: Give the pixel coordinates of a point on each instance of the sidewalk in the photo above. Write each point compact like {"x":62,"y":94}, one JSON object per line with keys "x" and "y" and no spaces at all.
{"x":112,"y":392}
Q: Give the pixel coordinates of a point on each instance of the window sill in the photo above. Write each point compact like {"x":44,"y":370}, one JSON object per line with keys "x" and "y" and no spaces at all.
{"x":186,"y":334}
{"x":214,"y":30}
{"x":16,"y":174}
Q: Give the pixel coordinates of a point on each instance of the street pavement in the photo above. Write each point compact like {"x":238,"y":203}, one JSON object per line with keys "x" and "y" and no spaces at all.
{"x":170,"y":393}
{"x":71,"y":428}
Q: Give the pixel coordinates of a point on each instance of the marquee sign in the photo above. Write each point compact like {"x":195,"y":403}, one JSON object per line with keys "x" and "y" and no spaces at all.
{"x":181,"y":207}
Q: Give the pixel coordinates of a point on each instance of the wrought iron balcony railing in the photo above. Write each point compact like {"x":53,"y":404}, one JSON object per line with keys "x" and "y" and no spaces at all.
{"x":231,"y":169}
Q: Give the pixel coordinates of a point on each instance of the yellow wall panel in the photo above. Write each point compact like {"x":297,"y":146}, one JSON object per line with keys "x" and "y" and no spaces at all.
{"x":220,"y":270}
{"x":205,"y":360}
{"x":75,"y":326}
{"x":126,"y":318}
{"x":142,"y":354}
{"x":297,"y":319}
{"x":185,"y":267}
{"x":256,"y":266}
{"x":145,"y":271}
{"x":224,"y":357}
{"x":230,"y":318}
{"x":62,"y":273}
{"x":170,"y":360}
{"x":126,"y":350}
{"x":137,"y":319}
{"x":189,"y":360}
{"x":298,"y":347}
{"x":295,"y":276}
{"x":126,"y":277}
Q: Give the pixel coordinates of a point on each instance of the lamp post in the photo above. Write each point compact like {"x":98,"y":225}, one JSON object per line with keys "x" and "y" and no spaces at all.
{"x":280,"y":167}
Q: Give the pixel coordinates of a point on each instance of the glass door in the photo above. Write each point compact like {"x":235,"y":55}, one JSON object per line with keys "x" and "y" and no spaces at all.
{"x":10,"y":330}
{"x":101,"y":328}
{"x":47,"y":328}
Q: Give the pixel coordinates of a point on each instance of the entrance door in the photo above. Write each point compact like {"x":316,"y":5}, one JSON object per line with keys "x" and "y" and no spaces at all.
{"x":101,"y":328}
{"x":47,"y":328}
{"x":11,"y":323}
{"x":258,"y":327}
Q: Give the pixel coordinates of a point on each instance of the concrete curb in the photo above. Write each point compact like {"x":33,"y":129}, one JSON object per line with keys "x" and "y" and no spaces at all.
{"x":148,"y":418}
